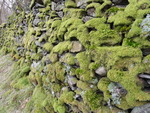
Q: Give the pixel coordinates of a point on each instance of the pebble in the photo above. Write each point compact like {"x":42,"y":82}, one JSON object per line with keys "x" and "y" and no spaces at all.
{"x":76,"y":46}
{"x":101,"y":71}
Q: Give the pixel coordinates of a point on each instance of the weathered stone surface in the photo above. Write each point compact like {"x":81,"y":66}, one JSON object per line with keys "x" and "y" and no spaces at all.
{"x":101,"y":71}
{"x":86,"y":18}
{"x":76,"y":46}
{"x":91,"y":12}
{"x":142,"y":109}
{"x":53,"y":6}
{"x":60,"y":14}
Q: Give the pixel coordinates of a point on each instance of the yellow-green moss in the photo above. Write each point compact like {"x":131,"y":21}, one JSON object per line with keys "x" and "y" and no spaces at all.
{"x":92,"y":99}
{"x":62,"y":47}
{"x":70,"y":4}
{"x":48,"y":46}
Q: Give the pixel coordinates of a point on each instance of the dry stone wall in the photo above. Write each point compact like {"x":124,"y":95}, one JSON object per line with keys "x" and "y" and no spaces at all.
{"x":81,"y":56}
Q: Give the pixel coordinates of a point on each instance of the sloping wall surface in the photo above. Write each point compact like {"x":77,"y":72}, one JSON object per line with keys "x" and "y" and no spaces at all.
{"x":81,"y":56}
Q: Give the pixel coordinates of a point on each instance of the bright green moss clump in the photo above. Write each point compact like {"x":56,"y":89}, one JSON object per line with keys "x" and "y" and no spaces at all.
{"x":92,"y":99}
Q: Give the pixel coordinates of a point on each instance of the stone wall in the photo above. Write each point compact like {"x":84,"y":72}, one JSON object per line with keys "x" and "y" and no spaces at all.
{"x":81,"y":56}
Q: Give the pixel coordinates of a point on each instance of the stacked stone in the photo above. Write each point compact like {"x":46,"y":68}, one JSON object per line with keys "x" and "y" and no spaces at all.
{"x":82,"y":55}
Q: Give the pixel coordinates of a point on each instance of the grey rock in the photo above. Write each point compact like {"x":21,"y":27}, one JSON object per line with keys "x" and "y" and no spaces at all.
{"x":91,"y":12}
{"x":146,"y":76}
{"x":145,"y":25}
{"x":86,"y":18}
{"x":36,"y":65}
{"x":60,"y":7}
{"x":25,"y":29}
{"x":81,"y":2}
{"x":101,"y":71}
{"x":53,"y":6}
{"x":37,"y":43}
{"x":47,"y":18}
{"x":76,"y":46}
{"x":36,"y":21}
{"x":60,"y":14}
{"x":142,"y":109}
{"x":72,"y":80}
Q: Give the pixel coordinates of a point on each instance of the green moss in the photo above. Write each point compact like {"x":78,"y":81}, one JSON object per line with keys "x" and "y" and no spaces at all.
{"x":32,"y":4}
{"x":83,"y":59}
{"x":73,"y":13}
{"x":67,"y":97}
{"x":92,"y":99}
{"x":111,"y":57}
{"x":48,"y":46}
{"x":120,"y":19}
{"x":83,"y":85}
{"x":36,"y":56}
{"x":89,"y":1}
{"x":70,"y":25}
{"x":70,"y":4}
{"x":68,"y":58}
{"x":44,"y":10}
{"x":53,"y":14}
{"x":113,"y":10}
{"x":56,"y":87}
{"x":62,"y":47}
{"x":21,"y":83}
{"x":129,"y":42}
{"x":20,"y":31}
{"x":36,"y":101}
{"x":123,"y":28}
{"x":127,"y":78}
{"x":56,"y":24}
{"x":103,"y":86}
{"x":59,"y":106}
{"x":60,"y":71}
{"x":47,"y":2}
{"x":53,"y":57}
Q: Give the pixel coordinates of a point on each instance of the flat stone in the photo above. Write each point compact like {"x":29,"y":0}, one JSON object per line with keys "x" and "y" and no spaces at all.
{"x":101,"y":71}
{"x":142,"y":109}
{"x":76,"y":46}
{"x":146,"y":76}
{"x":53,"y":6}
